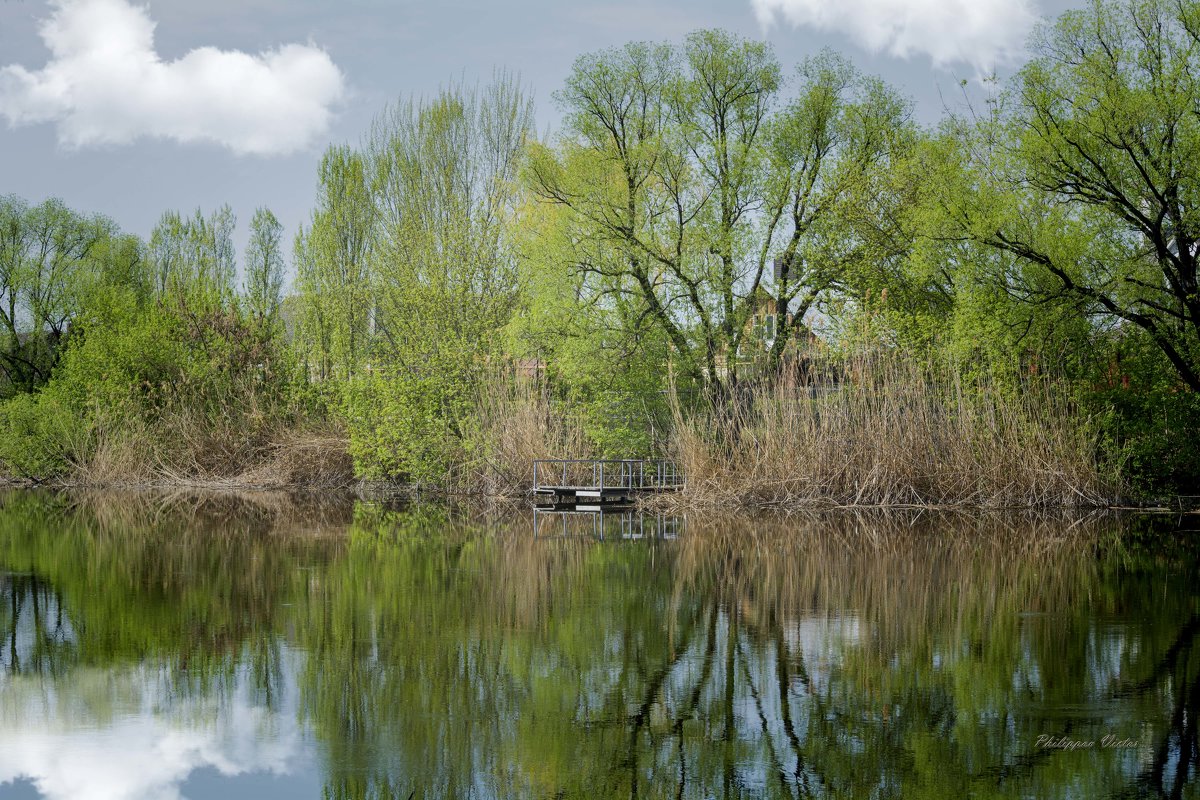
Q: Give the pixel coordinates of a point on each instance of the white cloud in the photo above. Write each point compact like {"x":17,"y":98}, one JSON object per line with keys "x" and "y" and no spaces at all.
{"x":981,"y":33}
{"x":124,"y":735}
{"x":106,"y":84}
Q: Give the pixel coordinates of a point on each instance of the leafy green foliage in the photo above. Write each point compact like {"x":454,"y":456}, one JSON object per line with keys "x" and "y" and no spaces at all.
{"x":702,"y":228}
{"x":161,"y":361}
{"x":264,"y":268}
{"x":333,"y":268}
{"x":193,"y":258}
{"x":408,"y":274}
{"x":406,"y":427}
{"x":50,"y":259}
{"x":1081,"y":178}
{"x":42,"y":436}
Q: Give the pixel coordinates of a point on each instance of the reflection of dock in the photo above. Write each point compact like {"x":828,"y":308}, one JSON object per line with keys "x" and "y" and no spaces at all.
{"x":602,"y":523}
{"x":602,"y":481}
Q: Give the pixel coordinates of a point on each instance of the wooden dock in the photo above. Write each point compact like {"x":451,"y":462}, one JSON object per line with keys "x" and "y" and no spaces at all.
{"x":602,"y":481}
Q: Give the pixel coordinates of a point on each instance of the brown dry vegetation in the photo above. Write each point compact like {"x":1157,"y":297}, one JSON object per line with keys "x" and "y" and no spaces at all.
{"x":895,"y":435}
{"x":884,"y":435}
{"x":515,"y":423}
{"x":184,"y":450}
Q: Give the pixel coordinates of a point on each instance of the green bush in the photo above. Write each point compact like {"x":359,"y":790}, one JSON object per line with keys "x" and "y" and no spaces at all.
{"x":1153,"y":435}
{"x":41,"y":436}
{"x":183,"y":386}
{"x":406,"y":427}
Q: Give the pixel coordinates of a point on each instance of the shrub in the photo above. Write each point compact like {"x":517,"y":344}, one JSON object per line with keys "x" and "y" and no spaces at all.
{"x":41,"y":436}
{"x":405,"y":426}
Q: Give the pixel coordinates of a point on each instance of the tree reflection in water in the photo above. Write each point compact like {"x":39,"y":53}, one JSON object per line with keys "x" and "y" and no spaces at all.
{"x":453,"y":654}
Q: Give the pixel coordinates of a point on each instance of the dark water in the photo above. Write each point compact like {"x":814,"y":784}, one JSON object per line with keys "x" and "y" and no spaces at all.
{"x":165,"y":647}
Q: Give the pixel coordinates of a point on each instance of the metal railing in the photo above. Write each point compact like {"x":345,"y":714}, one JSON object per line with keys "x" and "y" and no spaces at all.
{"x":639,"y":475}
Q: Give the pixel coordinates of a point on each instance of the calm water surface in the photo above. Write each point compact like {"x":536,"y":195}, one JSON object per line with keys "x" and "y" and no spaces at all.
{"x":219,"y":647}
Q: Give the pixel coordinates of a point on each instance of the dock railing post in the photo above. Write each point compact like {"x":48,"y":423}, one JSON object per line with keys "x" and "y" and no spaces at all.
{"x":535,"y":481}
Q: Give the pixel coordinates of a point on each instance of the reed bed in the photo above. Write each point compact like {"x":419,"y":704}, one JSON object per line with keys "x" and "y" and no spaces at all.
{"x":892,"y":434}
{"x":184,"y":449}
{"x":515,"y":422}
{"x":887,"y":433}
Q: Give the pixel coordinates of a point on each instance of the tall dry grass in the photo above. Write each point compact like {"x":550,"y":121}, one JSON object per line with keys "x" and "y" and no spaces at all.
{"x":893,"y":433}
{"x":515,"y":422}
{"x":192,"y":449}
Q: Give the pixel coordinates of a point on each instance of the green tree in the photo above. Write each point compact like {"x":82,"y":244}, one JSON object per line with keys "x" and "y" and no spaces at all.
{"x":194,"y":258}
{"x":659,"y":170}
{"x":444,"y":173}
{"x":333,"y":264}
{"x":1086,"y":174}
{"x":833,"y":205}
{"x":264,"y":268}
{"x":688,"y":188}
{"x":47,"y":265}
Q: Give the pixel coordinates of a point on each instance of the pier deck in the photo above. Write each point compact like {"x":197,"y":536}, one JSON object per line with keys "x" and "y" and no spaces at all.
{"x":566,"y":480}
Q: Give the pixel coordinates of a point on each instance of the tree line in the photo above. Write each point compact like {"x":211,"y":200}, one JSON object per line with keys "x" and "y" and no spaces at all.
{"x":703,"y":221}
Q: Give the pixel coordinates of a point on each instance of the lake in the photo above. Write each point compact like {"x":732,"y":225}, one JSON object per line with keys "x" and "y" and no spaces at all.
{"x":221,"y":646}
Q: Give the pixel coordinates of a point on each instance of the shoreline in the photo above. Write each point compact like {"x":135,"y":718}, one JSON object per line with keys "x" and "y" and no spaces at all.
{"x":661,"y":504}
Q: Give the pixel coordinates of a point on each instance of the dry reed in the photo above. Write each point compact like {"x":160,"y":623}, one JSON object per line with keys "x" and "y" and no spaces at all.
{"x":182,"y":449}
{"x":515,"y":422}
{"x":892,"y":434}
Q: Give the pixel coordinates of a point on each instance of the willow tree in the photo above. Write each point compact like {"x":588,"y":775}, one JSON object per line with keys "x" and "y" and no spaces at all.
{"x":1087,"y":175}
{"x":833,"y":203}
{"x":661,"y":164}
{"x":686,"y":178}
{"x":49,"y":258}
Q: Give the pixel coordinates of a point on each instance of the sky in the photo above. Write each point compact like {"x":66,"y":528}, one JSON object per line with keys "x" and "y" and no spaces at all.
{"x":129,"y":108}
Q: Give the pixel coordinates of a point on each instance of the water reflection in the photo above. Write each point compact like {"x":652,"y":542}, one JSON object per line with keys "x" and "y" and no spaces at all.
{"x":126,"y":733}
{"x":599,"y":523}
{"x":40,"y":636}
{"x":452,"y":653}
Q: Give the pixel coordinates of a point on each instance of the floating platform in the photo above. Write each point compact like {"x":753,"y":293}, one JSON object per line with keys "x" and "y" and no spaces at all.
{"x":602,"y":481}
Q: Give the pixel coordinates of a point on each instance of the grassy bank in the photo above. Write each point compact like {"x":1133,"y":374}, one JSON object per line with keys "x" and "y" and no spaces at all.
{"x":896,"y":434}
